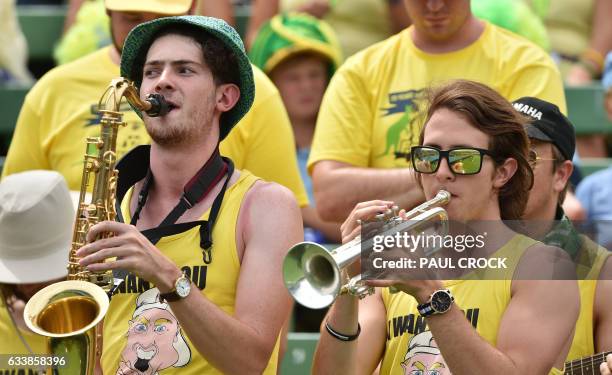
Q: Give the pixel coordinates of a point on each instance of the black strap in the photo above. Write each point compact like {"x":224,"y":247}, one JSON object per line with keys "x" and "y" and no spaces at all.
{"x":194,"y":191}
{"x":206,"y":226}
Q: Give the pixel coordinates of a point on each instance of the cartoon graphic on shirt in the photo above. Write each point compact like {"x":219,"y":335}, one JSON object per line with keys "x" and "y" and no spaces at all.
{"x":404,"y":132}
{"x":154,"y":338}
{"x":423,"y":357}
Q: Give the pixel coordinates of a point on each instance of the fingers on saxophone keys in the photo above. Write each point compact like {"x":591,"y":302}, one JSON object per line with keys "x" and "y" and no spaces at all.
{"x":98,"y":245}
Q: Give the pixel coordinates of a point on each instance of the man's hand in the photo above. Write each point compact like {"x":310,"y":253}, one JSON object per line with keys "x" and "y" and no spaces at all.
{"x":129,"y":250}
{"x":606,"y":367}
{"x":420,"y":289}
{"x":363,"y":211}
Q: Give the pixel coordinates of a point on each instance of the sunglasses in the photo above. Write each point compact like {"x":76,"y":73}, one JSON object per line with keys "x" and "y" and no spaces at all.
{"x":533,"y":158}
{"x":461,"y":160}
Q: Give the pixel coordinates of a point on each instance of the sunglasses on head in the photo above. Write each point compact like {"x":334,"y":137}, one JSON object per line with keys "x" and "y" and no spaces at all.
{"x":461,"y":160}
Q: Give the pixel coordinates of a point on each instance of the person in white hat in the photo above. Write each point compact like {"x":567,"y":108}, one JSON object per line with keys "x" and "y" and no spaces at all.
{"x":36,"y":219}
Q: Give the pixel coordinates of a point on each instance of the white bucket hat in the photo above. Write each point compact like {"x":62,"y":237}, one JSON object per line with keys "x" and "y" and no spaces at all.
{"x":36,"y":220}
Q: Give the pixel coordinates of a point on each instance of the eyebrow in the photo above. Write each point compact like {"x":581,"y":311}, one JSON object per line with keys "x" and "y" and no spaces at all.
{"x":435,"y":145}
{"x":173,"y":62}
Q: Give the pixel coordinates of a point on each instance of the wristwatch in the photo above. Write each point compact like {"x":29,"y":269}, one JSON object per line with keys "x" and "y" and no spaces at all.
{"x":439,"y":303}
{"x":182,"y":287}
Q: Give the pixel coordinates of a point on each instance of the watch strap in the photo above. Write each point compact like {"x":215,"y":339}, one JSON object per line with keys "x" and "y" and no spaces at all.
{"x":425,"y":309}
{"x":172,"y":295}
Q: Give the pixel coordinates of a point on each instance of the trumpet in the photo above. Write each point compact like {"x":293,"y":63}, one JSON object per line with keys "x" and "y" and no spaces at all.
{"x":313,"y":275}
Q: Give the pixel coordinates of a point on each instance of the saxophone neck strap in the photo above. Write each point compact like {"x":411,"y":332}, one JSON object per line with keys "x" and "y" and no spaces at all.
{"x":199,"y":186}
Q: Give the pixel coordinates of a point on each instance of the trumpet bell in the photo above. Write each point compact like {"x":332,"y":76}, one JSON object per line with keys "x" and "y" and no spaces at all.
{"x":311,"y":275}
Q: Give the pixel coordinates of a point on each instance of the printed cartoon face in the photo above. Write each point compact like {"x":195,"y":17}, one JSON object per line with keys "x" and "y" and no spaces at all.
{"x":150,"y":340}
{"x":425,"y":364}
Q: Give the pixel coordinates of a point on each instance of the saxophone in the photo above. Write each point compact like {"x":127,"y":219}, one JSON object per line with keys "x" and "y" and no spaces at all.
{"x":68,"y":313}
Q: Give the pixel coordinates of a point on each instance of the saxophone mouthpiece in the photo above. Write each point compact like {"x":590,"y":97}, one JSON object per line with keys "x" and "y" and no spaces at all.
{"x":159,"y":106}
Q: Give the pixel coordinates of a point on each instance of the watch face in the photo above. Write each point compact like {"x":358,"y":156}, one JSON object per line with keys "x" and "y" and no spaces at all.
{"x":183,"y":286}
{"x":441,"y":301}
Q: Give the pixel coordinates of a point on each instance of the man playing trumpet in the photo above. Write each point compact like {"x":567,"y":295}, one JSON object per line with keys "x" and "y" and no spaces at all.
{"x":512,"y":326}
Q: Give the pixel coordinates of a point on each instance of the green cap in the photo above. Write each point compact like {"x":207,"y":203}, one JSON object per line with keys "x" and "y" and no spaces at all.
{"x":290,"y":33}
{"x":141,"y":37}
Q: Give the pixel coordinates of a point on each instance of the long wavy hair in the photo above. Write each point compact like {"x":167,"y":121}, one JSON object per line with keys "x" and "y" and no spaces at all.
{"x":490,"y":113}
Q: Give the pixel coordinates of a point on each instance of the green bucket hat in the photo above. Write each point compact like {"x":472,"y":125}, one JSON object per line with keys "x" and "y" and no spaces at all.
{"x":287,"y":34}
{"x":141,"y":37}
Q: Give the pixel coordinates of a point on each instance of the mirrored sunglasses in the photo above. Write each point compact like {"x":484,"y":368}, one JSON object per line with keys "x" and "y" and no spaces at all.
{"x":461,"y":160}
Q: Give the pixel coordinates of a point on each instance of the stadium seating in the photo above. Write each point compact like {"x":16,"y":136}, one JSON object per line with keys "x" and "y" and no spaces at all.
{"x":299,"y":353}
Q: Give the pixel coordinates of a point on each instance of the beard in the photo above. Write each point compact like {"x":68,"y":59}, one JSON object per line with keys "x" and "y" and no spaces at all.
{"x":188,"y":128}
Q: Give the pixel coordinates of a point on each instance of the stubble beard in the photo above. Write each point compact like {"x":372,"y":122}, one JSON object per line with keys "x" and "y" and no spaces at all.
{"x":184,"y":131}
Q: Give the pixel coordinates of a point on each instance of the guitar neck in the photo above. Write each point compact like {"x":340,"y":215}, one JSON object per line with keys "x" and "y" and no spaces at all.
{"x":586,"y":365}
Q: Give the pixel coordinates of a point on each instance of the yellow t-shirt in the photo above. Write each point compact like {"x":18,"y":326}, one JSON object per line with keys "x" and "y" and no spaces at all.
{"x":61,"y":111}
{"x":11,"y":344}
{"x":583,"y":344}
{"x":142,"y":332}
{"x":370,"y":111}
{"x":482,"y":301}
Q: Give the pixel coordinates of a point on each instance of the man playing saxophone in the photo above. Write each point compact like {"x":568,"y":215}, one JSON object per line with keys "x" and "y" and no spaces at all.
{"x":204,"y":293}
{"x":493,"y":326}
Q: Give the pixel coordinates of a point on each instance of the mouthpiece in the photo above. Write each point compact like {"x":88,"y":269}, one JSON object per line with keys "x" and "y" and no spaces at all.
{"x":159,"y":106}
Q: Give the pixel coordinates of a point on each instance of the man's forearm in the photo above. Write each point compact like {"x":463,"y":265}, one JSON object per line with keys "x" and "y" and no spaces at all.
{"x":464,"y":351}
{"x":338,"y":190}
{"x":230,"y":345}
{"x":333,"y":356}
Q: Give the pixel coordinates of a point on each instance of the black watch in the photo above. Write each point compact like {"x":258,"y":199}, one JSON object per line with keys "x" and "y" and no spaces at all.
{"x":182,"y":287}
{"x":439,"y":303}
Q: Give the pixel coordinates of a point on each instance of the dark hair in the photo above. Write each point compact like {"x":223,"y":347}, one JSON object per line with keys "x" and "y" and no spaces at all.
{"x":219,"y":58}
{"x":490,"y":113}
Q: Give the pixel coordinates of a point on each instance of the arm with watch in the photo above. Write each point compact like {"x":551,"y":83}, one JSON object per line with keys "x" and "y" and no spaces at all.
{"x":354,"y":333}
{"x":530,"y":324}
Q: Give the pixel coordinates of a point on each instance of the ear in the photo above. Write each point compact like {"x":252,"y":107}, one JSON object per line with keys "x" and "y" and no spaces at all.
{"x":504,"y":172}
{"x":227,"y":96}
{"x":562,"y":175}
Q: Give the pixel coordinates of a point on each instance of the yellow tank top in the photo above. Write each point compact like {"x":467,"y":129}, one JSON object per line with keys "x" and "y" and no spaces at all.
{"x":408,"y":337}
{"x":592,"y":256}
{"x":141,"y":332}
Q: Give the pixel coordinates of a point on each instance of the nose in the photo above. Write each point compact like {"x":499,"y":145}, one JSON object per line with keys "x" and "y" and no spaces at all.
{"x":444,"y":172}
{"x":164,"y":82}
{"x":435,"y":5}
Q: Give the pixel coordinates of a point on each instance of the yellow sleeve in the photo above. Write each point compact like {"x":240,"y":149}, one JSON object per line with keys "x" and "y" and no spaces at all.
{"x":25,"y":152}
{"x":267,"y":144}
{"x":344,"y":126}
{"x":542,"y":81}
